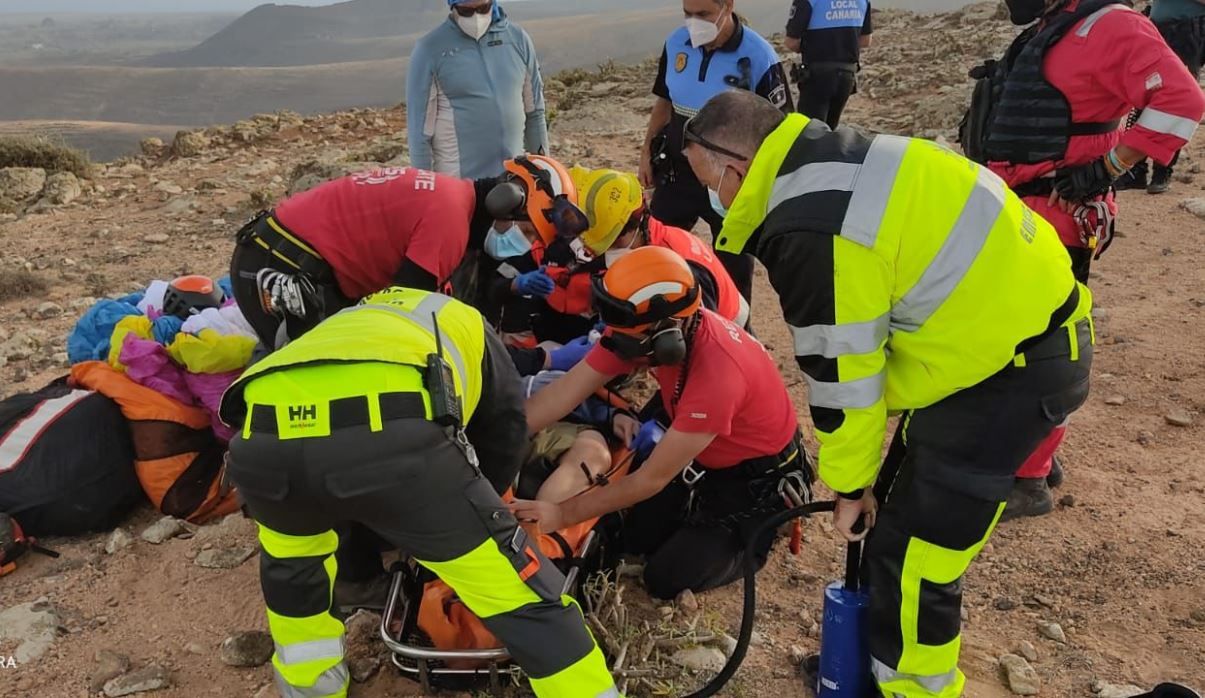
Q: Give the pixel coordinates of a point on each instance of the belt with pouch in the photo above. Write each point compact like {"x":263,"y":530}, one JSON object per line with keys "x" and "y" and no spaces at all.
{"x":788,"y":459}
{"x":268,"y":233}
{"x":1058,"y":340}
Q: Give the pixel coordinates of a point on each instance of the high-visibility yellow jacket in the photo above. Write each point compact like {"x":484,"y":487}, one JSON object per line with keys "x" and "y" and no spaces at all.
{"x":906,"y":272}
{"x":396,"y":327}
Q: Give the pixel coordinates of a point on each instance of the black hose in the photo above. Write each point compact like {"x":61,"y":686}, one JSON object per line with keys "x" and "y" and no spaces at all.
{"x":748,"y":610}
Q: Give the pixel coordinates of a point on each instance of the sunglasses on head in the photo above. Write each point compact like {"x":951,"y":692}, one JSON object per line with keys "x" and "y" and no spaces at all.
{"x":464,"y":11}
{"x":690,"y":136}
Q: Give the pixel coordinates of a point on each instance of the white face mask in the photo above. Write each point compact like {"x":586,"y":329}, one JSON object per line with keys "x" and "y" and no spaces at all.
{"x":613,"y":256}
{"x":703,"y":32}
{"x":474,"y":26}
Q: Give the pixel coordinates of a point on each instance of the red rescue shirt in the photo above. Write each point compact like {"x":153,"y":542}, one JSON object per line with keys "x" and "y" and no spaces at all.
{"x":364,"y":225}
{"x":1111,"y":62}
{"x":733,"y":390}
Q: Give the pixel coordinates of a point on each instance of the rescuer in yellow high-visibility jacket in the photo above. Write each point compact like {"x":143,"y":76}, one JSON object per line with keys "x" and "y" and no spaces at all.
{"x":337,"y":427}
{"x":913,"y":282}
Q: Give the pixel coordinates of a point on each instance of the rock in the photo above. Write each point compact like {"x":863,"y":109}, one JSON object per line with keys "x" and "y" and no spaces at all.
{"x":21,"y":184}
{"x":47,"y":310}
{"x":268,"y":690}
{"x":20,"y":346}
{"x":247,"y":649}
{"x":156,"y":238}
{"x":61,"y":189}
{"x":109,"y":665}
{"x":119,"y":539}
{"x":1053,"y":631}
{"x":149,"y":678}
{"x":363,"y":668}
{"x":1067,"y":500}
{"x":699,"y":658}
{"x":687,"y":602}
{"x":1145,"y":437}
{"x":1198,"y":615}
{"x":665,"y":611}
{"x":1100,"y":314}
{"x":1027,"y":650}
{"x":189,"y":144}
{"x":226,"y":559}
{"x":1020,"y":676}
{"x":1005,"y":604}
{"x":164,"y":529}
{"x":1115,"y":400}
{"x":167,"y":187}
{"x":32,"y":626}
{"x":797,"y":655}
{"x":175,"y":207}
{"x":314,"y":172}
{"x":196,"y":648}
{"x":756,"y":639}
{"x":726,"y":643}
{"x":151,"y":147}
{"x":1194,"y":206}
{"x":1113,"y":690}
{"x":1178,"y":417}
{"x":363,"y":627}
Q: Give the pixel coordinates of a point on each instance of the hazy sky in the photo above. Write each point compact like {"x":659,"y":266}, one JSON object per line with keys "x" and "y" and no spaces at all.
{"x":106,"y":6}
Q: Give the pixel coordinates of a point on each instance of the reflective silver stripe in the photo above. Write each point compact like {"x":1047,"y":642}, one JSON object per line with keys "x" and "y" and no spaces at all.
{"x":297,"y":653}
{"x":331,"y":682}
{"x":818,"y":176}
{"x":1172,"y":125}
{"x":1095,"y":17}
{"x":934,"y":684}
{"x":956,"y":255}
{"x":422,"y":316}
{"x":831,"y":341}
{"x":872,"y":190}
{"x":16,"y":442}
{"x":848,"y":395}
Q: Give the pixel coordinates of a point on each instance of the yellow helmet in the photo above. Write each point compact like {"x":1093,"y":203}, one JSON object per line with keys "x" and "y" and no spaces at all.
{"x":610,"y":198}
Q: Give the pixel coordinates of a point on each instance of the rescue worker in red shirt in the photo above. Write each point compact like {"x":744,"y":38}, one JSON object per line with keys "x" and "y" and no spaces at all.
{"x":732,"y":449}
{"x":323,"y":249}
{"x":620,"y":222}
{"x":1064,"y":86}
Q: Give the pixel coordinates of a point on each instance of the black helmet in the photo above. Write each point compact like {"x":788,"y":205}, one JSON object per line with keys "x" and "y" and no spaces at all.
{"x":189,"y":295}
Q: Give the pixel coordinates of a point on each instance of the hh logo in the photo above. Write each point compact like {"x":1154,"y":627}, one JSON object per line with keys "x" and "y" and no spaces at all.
{"x":306,"y":413}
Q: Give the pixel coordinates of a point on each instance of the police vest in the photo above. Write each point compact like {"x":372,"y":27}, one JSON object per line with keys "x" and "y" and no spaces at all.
{"x":837,"y":14}
{"x":693,"y":76}
{"x":1030,"y":121}
{"x":394,"y":326}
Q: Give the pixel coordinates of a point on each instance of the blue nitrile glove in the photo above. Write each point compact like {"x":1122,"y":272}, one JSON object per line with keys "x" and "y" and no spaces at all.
{"x":534,"y":283}
{"x":647,"y":438}
{"x":568,"y":356}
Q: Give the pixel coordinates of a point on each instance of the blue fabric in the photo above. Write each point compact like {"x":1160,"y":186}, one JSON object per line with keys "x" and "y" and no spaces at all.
{"x":724,"y":70}
{"x":165,"y":328}
{"x":835,"y":14}
{"x":647,"y":438}
{"x":89,"y":341}
{"x":227,"y":287}
{"x":495,"y":91}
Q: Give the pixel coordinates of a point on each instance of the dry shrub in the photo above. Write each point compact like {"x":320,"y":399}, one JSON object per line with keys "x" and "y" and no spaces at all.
{"x":50,"y":154}
{"x":19,"y":283}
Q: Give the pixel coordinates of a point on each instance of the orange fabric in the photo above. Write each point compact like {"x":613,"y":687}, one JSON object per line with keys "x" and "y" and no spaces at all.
{"x":572,"y":293}
{"x":141,"y":404}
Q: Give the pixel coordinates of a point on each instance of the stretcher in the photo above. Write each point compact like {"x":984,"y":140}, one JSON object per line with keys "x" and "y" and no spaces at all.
{"x":436,"y":640}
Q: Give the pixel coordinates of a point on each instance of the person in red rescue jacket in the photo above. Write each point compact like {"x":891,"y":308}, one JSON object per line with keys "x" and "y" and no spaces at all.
{"x":1084,"y":64}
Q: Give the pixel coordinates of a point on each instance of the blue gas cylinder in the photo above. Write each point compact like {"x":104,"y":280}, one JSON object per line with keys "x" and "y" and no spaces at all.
{"x":844,"y":653}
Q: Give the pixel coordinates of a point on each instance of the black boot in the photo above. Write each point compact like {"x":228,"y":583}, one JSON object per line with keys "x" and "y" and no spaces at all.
{"x":1055,"y":478}
{"x":1031,"y":496}
{"x":1134,"y":179}
{"x":1161,"y":181}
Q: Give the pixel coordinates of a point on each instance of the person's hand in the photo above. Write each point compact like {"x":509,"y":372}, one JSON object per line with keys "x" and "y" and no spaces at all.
{"x":645,"y":173}
{"x":534,"y":283}
{"x":568,"y":355}
{"x":850,"y":511}
{"x":547,"y":515}
{"x":1075,"y":185}
{"x":647,"y":438}
{"x":625,"y":428}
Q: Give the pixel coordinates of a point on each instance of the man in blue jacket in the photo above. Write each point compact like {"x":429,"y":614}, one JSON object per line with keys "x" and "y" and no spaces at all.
{"x":474,"y":93}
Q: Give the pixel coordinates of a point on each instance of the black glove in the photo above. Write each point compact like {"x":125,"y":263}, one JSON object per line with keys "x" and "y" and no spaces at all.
{"x":1083,"y":182}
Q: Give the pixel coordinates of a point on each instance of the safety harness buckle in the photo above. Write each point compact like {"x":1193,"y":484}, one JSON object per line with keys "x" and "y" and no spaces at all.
{"x":793,"y":489}
{"x":691,"y":474}
{"x":1095,"y":222}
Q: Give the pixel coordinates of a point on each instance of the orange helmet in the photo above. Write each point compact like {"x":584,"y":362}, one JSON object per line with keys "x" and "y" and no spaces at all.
{"x":538,"y":189}
{"x":644,"y":287}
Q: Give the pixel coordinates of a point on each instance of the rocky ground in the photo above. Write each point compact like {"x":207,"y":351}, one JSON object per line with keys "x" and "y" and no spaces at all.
{"x":153,"y":606}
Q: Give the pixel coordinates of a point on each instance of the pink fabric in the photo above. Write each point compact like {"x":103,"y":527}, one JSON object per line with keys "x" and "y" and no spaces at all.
{"x":1122,"y":64}
{"x":147,"y":363}
{"x":1040,"y":461}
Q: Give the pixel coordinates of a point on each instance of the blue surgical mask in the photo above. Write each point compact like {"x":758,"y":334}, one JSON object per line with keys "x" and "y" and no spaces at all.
{"x":506,"y":244}
{"x":714,"y":195}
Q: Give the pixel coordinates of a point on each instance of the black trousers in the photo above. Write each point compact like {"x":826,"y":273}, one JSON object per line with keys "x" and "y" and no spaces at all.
{"x":682,"y":202}
{"x":700,"y":545}
{"x":824,"y":93}
{"x":941,"y":490}
{"x":248,"y":259}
